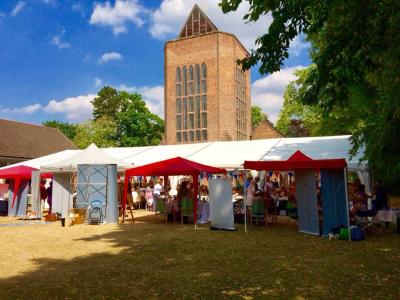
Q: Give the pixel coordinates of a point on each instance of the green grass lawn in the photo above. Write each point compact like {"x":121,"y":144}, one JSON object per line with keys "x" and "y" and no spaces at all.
{"x":145,"y":261}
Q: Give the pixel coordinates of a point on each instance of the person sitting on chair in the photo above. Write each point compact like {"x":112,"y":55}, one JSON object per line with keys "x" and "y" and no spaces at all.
{"x":149,"y":198}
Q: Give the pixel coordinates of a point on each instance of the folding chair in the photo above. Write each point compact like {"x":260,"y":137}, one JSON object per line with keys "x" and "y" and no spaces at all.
{"x":161,"y":208}
{"x":258,"y":211}
{"x":187,"y":208}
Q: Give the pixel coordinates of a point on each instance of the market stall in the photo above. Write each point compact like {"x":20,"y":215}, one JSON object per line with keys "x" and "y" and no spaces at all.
{"x":172,"y":167}
{"x":333,"y":189}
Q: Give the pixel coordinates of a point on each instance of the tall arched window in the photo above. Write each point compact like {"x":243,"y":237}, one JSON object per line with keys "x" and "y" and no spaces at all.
{"x":184,"y":73}
{"x":197,"y":78}
{"x":204,"y":76}
{"x":190,"y":72}
{"x":178,"y":75}
{"x":191,"y":103}
{"x":204,"y":71}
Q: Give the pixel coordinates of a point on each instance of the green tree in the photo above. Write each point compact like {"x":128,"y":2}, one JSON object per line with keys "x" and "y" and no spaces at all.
{"x":299,"y":119}
{"x":136,"y":125}
{"x":102,"y":132}
{"x":257,"y":116}
{"x":356,"y":56}
{"x":68,"y":129}
{"x":107,"y":103}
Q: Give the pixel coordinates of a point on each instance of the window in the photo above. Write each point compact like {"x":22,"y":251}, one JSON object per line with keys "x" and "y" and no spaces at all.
{"x":204,"y":119}
{"x":178,"y":74}
{"x":204,"y":102}
{"x":178,"y":137}
{"x":190,"y":73}
{"x":204,"y":71}
{"x":184,"y":113}
{"x":198,"y":111}
{"x":191,"y":104}
{"x":197,"y":79}
{"x":178,"y":106}
{"x":204,"y":133}
{"x":191,"y":121}
{"x":191,"y":88}
{"x":204,"y":87}
{"x":184,"y":81}
{"x":178,"y":90}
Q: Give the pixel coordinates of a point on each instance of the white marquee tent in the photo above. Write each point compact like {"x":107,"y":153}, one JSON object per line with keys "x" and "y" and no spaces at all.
{"x":230,"y":155}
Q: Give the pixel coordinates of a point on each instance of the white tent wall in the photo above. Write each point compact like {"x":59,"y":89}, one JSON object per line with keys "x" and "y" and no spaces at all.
{"x":221,"y":211}
{"x":112,"y":195}
{"x":61,"y":196}
{"x":35,"y":194}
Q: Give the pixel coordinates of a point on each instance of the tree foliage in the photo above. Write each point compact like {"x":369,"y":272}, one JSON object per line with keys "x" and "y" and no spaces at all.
{"x":68,"y":129}
{"x":299,"y":119}
{"x":107,"y":103}
{"x":136,"y":125}
{"x":120,"y":119}
{"x":356,"y":70}
{"x":257,"y":116}
{"x":102,"y":132}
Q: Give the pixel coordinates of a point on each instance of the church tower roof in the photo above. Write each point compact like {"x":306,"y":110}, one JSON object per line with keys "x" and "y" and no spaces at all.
{"x":197,"y":23}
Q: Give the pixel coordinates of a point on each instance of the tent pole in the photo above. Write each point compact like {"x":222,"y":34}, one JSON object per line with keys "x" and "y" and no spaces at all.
{"x":347,"y":201}
{"x":124,"y":195}
{"x":195,"y":196}
{"x":245,"y":201}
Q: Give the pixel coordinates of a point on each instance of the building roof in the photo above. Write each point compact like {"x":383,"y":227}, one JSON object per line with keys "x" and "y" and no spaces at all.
{"x":197,"y":23}
{"x":265,"y":130}
{"x":27,"y":141}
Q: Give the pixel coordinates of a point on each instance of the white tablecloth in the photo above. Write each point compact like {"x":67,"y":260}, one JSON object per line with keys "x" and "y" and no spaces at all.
{"x":388,"y":216}
{"x":203,"y":212}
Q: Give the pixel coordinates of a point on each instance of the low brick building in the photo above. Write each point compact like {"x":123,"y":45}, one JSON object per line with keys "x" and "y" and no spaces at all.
{"x":207,"y":96}
{"x":265,"y":130}
{"x":22,"y":141}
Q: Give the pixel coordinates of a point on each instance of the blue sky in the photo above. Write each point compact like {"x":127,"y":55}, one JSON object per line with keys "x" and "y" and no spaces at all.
{"x":55,"y":55}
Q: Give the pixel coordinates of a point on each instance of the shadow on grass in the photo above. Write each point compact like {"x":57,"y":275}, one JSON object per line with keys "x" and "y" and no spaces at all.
{"x":175,"y":261}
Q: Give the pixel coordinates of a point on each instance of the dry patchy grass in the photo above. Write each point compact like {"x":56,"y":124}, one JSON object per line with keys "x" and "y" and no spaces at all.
{"x":145,"y":260}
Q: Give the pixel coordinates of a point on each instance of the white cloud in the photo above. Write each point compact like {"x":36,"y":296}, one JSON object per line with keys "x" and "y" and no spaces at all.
{"x":75,"y":109}
{"x":268,"y":92}
{"x":17,"y":8}
{"x":117,"y":16}
{"x":97,"y":82}
{"x":168,"y":19}
{"x":26,"y":110}
{"x":298,"y":45}
{"x":57,"y":41}
{"x":106,"y":57}
{"x":153,"y":96}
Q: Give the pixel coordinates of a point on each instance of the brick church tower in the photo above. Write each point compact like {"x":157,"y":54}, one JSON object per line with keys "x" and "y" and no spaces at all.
{"x":207,"y":96}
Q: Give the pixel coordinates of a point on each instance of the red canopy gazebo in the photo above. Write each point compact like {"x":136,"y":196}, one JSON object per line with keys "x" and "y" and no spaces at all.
{"x":171,"y":167}
{"x":298,"y":160}
{"x":334,"y":192}
{"x":17,"y":173}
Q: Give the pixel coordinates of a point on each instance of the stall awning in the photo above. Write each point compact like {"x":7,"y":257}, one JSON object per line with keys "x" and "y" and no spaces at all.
{"x":171,"y":167}
{"x":18,"y":171}
{"x":298,"y":160}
